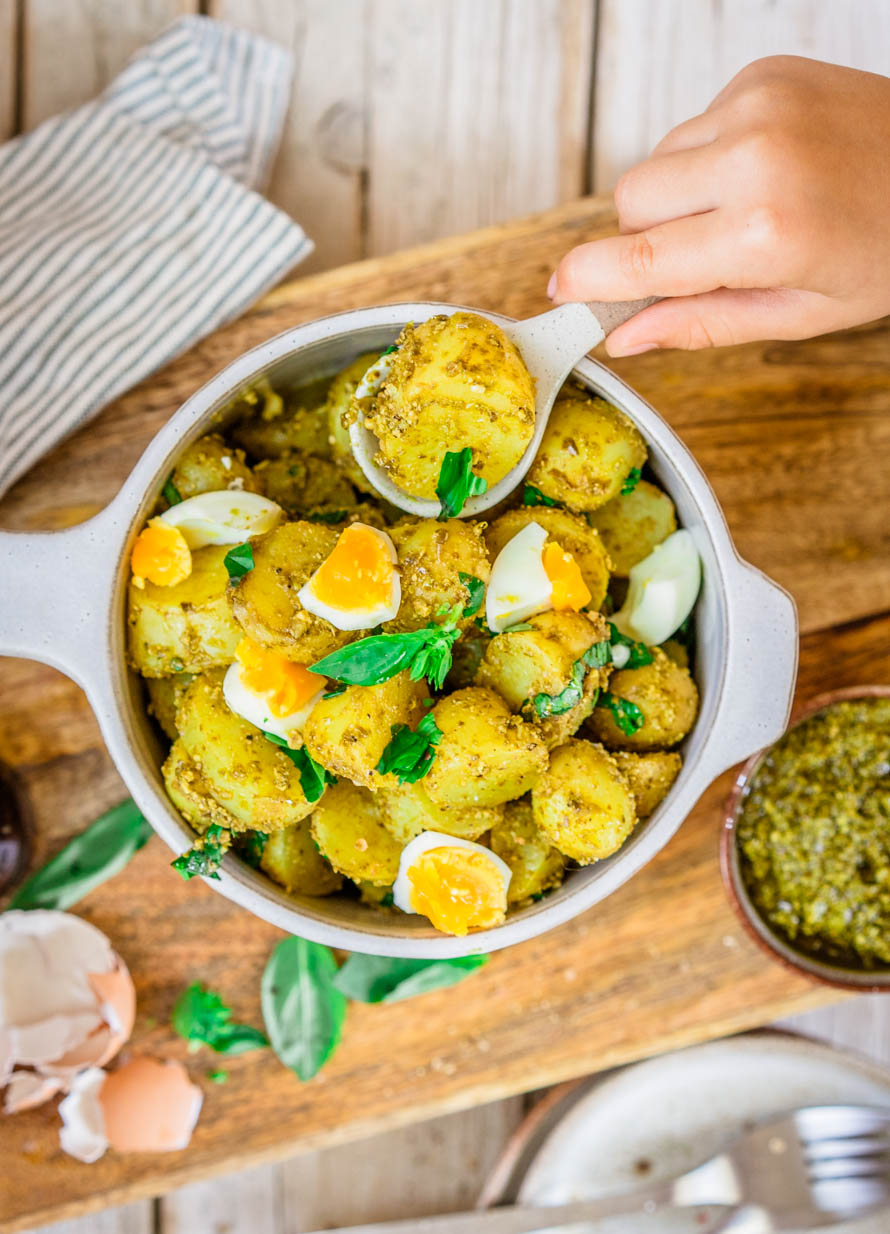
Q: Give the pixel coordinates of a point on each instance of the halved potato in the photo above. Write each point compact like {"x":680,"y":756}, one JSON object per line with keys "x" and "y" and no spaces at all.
{"x":291,"y":858}
{"x":432,"y":557}
{"x":190,"y":792}
{"x":535,"y":865}
{"x":583,"y":803}
{"x":346,"y":827}
{"x":407,"y":809}
{"x":631,"y":525}
{"x":210,"y":464}
{"x":650,"y":776}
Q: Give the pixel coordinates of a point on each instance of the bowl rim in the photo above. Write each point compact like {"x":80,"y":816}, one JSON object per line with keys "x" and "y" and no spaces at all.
{"x":835,"y":976}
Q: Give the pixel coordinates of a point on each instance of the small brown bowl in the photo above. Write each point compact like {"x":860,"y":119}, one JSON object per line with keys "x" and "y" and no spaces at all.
{"x":863,"y":981}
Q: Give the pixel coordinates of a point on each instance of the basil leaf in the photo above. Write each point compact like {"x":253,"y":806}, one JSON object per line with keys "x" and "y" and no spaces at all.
{"x":87,"y":861}
{"x":202,"y":1018}
{"x":626,"y":714}
{"x":532,"y":496}
{"x":381,"y":979}
{"x":476,"y":588}
{"x":170,"y":492}
{"x":631,"y":481}
{"x":433,"y":660}
{"x":411,"y":754}
{"x":302,"y":1008}
{"x":314,"y":778}
{"x":457,"y":482}
{"x":640,"y":655}
{"x":327,"y":516}
{"x":598,"y":655}
{"x":367,"y":662}
{"x":239,"y":561}
{"x":204,"y":857}
{"x":515,"y":629}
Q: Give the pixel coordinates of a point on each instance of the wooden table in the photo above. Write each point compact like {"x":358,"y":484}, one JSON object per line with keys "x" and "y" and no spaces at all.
{"x":796,"y":440}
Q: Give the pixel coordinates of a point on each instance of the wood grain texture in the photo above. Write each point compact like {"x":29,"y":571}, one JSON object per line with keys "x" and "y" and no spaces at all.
{"x":8,"y":67}
{"x":72,"y":50}
{"x":787,"y":433}
{"x":661,"y":61}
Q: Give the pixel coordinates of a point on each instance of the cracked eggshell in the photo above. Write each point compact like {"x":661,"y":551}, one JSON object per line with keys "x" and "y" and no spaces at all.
{"x":150,"y":1106}
{"x":29,"y":1088}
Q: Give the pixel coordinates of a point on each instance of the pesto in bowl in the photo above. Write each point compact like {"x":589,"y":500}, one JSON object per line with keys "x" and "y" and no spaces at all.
{"x":813,"y":835}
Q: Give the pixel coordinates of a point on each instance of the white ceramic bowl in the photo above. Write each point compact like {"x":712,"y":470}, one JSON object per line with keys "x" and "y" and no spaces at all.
{"x":64,"y":598}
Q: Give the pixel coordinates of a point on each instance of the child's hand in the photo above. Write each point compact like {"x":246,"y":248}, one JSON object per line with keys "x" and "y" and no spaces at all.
{"x":766,"y":217}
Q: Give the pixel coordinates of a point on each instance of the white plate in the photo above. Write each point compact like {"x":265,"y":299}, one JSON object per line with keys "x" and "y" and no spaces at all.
{"x":663,"y":1116}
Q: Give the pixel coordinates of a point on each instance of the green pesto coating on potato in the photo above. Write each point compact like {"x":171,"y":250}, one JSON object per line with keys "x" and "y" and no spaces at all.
{"x":570,"y":531}
{"x":272,"y":424}
{"x":650,"y":774}
{"x":408,"y":809}
{"x":304,"y":482}
{"x":291,"y":858}
{"x":346,"y":827}
{"x":666,"y":695}
{"x":535,"y":865}
{"x":210,"y":464}
{"x":185,"y":628}
{"x":432,"y":557}
{"x":631,"y":525}
{"x":190,"y":792}
{"x":583,"y":803}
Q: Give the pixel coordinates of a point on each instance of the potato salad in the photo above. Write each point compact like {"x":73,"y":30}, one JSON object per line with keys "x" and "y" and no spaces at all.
{"x":437,"y":716}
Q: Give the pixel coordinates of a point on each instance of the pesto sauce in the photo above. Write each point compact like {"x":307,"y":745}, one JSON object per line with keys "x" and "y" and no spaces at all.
{"x":814,"y":835}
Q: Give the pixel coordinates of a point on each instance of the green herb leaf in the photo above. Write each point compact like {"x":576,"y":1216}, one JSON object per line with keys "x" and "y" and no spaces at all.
{"x":476,"y":588}
{"x":205,"y":856}
{"x":217,"y":1077}
{"x":640,"y":655}
{"x":457,"y":482}
{"x":327,"y":516}
{"x":87,"y":861}
{"x":598,"y":655}
{"x":411,"y":754}
{"x":532,"y":496}
{"x":547,"y":705}
{"x":380,"y":979}
{"x":626,"y":714}
{"x":631,"y":481}
{"x":170,"y":492}
{"x":314,"y":778}
{"x":390,"y":349}
{"x":302,"y":1008}
{"x":367,"y":662}
{"x":239,"y":561}
{"x":202,"y":1018}
{"x":251,"y":846}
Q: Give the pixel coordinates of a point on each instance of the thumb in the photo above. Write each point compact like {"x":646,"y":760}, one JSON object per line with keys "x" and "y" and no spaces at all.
{"x":724,"y":317}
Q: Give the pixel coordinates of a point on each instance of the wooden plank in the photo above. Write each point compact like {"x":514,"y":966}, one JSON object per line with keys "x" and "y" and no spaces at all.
{"x":8,"y":67}
{"x":861,"y":1024}
{"x":133,"y":1219}
{"x":479,"y":113}
{"x":72,"y":50}
{"x":691,"y":49}
{"x":319,"y":175}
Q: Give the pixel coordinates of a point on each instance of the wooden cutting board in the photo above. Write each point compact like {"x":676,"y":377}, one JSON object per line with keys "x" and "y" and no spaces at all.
{"x":796,"y":440}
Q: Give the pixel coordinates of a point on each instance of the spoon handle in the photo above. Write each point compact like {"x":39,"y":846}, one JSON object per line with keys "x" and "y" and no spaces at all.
{"x":614,"y":313}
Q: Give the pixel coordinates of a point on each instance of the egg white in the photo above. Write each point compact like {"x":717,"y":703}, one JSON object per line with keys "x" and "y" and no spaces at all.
{"x":254,"y":708}
{"x":356,"y":618}
{"x":519,"y":587}
{"x":427,"y":840}
{"x":662,"y":592}
{"x":225,"y":516}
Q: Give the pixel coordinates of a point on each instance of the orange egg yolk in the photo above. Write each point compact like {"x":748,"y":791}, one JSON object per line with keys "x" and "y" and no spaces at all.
{"x":284,"y":685}
{"x":458,"y":890}
{"x":160,"y":555}
{"x":569,"y":588}
{"x":357,"y":573}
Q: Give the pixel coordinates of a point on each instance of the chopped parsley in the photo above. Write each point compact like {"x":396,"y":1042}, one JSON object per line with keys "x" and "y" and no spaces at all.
{"x":314,"y":778}
{"x":546,"y":705}
{"x":639,"y":656}
{"x":457,"y":482}
{"x":476,"y":588}
{"x":205,"y":856}
{"x":239,"y":561}
{"x":532,"y":496}
{"x":410,"y":754}
{"x":631,"y":481}
{"x":202,"y":1018}
{"x":627,"y":715}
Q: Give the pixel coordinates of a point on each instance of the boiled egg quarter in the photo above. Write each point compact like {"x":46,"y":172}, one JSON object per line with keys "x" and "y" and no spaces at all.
{"x":225,"y":516}
{"x":269,"y":691}
{"x":531,"y":575}
{"x":357,"y":585}
{"x":662,"y":592}
{"x":459,"y":886}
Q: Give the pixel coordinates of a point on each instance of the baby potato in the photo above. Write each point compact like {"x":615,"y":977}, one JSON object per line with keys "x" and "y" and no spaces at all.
{"x":650,"y":776}
{"x":582,"y":803}
{"x":455,"y":380}
{"x":535,"y":865}
{"x":569,"y":530}
{"x":407,"y":809}
{"x":346,"y":827}
{"x":291,"y":858}
{"x":632,"y":525}
{"x":667,"y":697}
{"x":523,"y":664}
{"x":252,"y":778}
{"x":432,"y":557}
{"x":348,"y":733}
{"x":277,"y":424}
{"x":186,"y":628}
{"x":304,"y":482}
{"x":265,"y":599}
{"x":588,"y":449}
{"x":338,"y":401}
{"x":486,"y":756}
{"x":164,"y":695}
{"x":676,"y":651}
{"x":209,"y":464}
{"x":190,"y":793}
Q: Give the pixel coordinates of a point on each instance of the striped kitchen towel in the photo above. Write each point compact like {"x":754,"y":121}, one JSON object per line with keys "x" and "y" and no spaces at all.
{"x":130,"y":228}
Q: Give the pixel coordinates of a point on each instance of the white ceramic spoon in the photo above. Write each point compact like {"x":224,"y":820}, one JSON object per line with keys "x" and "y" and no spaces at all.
{"x":551,"y":345}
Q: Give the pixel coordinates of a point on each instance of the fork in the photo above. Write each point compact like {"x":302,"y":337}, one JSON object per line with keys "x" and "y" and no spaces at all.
{"x":804,"y":1170}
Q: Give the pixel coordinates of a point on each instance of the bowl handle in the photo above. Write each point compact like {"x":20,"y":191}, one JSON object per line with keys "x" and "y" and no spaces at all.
{"x":55,"y":588}
{"x":761,"y":668}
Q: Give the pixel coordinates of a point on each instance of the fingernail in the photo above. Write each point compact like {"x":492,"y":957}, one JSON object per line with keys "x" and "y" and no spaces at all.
{"x":551,"y":286}
{"x":636,"y":351}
